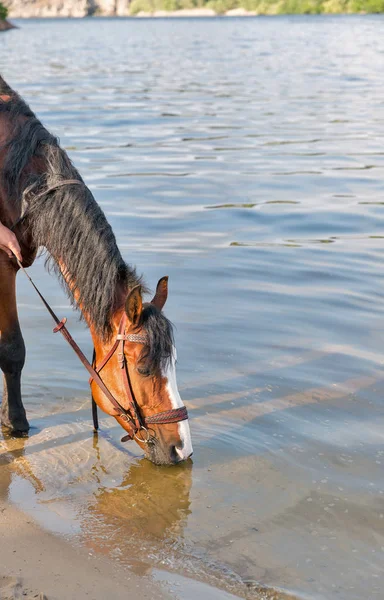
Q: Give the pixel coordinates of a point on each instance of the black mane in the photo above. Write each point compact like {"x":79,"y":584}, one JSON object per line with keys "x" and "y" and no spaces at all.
{"x":67,"y":222}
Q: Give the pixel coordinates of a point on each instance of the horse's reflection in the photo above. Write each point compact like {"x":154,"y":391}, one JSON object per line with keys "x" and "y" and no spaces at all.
{"x":13,"y":460}
{"x":148,"y":503}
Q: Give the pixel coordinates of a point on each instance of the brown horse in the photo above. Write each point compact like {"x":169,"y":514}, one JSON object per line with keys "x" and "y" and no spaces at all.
{"x":43,"y":194}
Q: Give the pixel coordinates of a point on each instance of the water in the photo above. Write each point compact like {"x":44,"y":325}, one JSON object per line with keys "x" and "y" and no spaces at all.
{"x":245,"y":159}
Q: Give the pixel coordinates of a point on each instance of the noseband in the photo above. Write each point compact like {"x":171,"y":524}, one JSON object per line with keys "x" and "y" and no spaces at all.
{"x":134,"y":422}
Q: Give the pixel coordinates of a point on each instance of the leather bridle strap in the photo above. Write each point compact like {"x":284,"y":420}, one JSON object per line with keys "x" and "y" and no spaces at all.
{"x":131,"y":414}
{"x":119,"y":345}
{"x":175,"y":415}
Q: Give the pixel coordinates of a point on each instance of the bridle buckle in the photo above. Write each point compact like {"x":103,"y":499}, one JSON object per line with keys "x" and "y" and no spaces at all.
{"x":139,"y":439}
{"x":127,"y":417}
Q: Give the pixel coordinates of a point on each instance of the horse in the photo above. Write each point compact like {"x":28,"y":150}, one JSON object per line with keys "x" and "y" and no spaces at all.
{"x":46,"y":202}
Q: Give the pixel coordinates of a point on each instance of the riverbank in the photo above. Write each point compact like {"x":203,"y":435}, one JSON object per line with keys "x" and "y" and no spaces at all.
{"x":187,"y":8}
{"x":252,"y":8}
{"x":140,"y":8}
{"x":6,"y":25}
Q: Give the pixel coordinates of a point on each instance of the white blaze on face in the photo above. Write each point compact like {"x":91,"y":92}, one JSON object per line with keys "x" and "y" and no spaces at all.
{"x":185,"y":435}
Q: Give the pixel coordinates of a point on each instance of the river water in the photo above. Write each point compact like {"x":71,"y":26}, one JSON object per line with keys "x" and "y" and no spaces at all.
{"x":245,"y":159}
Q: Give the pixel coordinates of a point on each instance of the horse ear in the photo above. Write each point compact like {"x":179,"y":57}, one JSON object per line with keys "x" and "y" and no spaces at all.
{"x":134,"y":305}
{"x":161,"y":295}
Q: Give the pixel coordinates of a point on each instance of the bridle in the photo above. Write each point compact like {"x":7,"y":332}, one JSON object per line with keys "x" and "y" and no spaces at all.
{"x":134,"y":421}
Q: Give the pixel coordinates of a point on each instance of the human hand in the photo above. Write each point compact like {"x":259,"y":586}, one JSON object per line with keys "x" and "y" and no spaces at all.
{"x":9,"y":243}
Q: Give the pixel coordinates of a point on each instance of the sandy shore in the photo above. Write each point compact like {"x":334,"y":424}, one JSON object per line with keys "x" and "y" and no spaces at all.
{"x":35,"y":564}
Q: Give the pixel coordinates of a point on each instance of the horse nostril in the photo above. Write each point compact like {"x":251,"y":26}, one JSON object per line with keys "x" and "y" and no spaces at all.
{"x":178,"y":453}
{"x":175,"y":454}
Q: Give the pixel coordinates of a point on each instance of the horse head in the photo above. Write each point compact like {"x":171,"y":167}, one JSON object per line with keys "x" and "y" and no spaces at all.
{"x":139,"y":370}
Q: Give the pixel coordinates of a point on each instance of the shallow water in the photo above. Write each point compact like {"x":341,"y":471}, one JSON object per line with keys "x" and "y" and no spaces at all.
{"x":243,"y":158}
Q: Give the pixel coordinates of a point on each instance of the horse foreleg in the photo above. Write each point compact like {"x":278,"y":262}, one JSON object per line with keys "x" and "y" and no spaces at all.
{"x":12,"y":351}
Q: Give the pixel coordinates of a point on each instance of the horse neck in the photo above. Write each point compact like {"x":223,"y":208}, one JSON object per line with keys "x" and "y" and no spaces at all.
{"x":120,"y":295}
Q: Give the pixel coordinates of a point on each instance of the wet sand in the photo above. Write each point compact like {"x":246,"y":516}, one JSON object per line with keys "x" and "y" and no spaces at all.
{"x":107,"y":502}
{"x":36,"y":564}
{"x":33,"y":560}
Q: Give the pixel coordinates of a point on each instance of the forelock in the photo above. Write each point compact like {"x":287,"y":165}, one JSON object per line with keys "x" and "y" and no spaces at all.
{"x":157,"y":354}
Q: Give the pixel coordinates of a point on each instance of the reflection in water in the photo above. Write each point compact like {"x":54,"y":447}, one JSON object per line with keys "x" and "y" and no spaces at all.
{"x":134,"y":513}
{"x":149,"y":501}
{"x":140,"y":521}
{"x":12,"y":460}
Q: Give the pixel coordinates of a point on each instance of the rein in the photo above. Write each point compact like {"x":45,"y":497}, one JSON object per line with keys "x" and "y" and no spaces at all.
{"x":134,"y":422}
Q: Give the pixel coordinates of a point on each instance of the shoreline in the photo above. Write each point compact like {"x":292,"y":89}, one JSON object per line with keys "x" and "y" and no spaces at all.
{"x":5,"y":25}
{"x":37,"y":564}
{"x":182,"y":13}
{"x":186,"y":12}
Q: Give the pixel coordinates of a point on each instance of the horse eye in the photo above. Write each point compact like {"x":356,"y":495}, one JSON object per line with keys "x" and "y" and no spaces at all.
{"x":143,"y":371}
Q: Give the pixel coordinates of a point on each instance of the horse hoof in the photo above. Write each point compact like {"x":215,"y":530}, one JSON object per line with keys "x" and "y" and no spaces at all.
{"x":16,"y":433}
{"x":17,"y":428}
